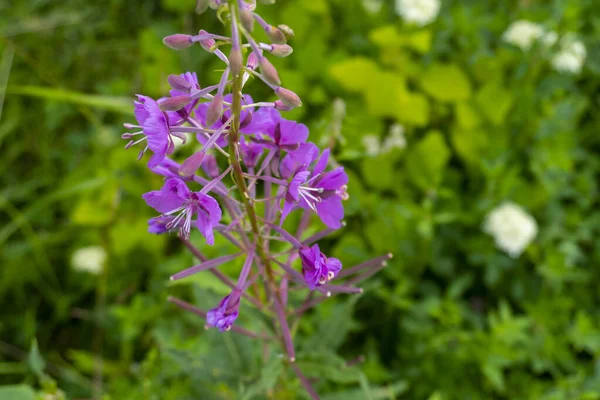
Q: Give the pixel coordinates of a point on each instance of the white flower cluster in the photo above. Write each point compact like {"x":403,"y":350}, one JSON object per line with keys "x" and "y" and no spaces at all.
{"x":571,"y":53}
{"x":571,"y":57}
{"x":419,"y":12}
{"x":394,"y":140}
{"x":89,"y":259}
{"x":511,"y":227}
{"x":373,"y":6}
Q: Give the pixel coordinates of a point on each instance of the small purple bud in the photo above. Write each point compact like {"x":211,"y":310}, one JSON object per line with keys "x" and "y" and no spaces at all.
{"x":178,"y":41}
{"x":252,"y":62}
{"x":288,"y":97}
{"x":201,"y":6}
{"x":269,"y":71}
{"x":275,"y":35}
{"x":289,"y":32}
{"x":191,"y":164}
{"x":215,"y":110}
{"x":281,"y":50}
{"x":207,"y":44}
{"x":180,"y":84}
{"x":235,"y":61}
{"x":247,"y":20}
{"x":210,"y":166}
{"x":279,"y":105}
{"x":174,"y":103}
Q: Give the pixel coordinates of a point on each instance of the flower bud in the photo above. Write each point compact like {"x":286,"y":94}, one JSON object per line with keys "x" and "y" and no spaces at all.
{"x":201,"y":6}
{"x":252,"y":62}
{"x":214,"y":4}
{"x":215,"y":110}
{"x":247,"y":20}
{"x":174,"y":103}
{"x":288,"y":97}
{"x":178,"y":41}
{"x":210,"y":166}
{"x":289,"y":32}
{"x":275,"y":35}
{"x":180,"y":84}
{"x":279,"y":105}
{"x":281,"y":50}
{"x":207,"y":44}
{"x":235,"y":61}
{"x":269,"y":71}
{"x":191,"y":164}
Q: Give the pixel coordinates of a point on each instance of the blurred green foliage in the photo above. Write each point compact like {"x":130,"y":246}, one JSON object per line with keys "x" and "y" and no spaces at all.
{"x":452,"y":317}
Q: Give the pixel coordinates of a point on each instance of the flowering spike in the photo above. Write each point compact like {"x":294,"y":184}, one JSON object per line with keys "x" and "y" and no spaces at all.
{"x":178,"y":41}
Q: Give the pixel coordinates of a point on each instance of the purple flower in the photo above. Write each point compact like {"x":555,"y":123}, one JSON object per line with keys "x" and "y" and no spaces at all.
{"x":225,"y":314}
{"x":316,"y":267}
{"x":250,"y":152}
{"x":155,"y":128}
{"x":192,"y":79}
{"x":285,"y":135}
{"x":251,"y":122}
{"x":175,"y":199}
{"x":316,"y":190}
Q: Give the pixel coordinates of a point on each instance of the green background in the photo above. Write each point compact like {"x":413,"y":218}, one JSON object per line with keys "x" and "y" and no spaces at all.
{"x":451,"y":317}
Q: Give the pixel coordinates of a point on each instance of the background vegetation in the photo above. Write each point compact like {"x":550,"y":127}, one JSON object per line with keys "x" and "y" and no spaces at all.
{"x":452,"y":317}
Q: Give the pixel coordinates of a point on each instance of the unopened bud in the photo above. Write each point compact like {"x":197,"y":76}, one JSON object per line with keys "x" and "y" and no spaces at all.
{"x":178,"y":41}
{"x":281,"y":50}
{"x":279,"y":105}
{"x":214,"y":4}
{"x":215,"y":110}
{"x":269,"y":71}
{"x":235,"y":61}
{"x":191,"y":164}
{"x":180,"y":84}
{"x":174,"y":103}
{"x":252,"y":62}
{"x":207,"y":44}
{"x":201,"y":6}
{"x":289,"y":32}
{"x":275,"y":35}
{"x":247,"y":20}
{"x":210,"y":166}
{"x":288,"y":97}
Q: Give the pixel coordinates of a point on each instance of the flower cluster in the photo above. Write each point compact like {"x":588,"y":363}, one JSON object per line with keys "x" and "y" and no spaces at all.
{"x":418,"y":12}
{"x":570,"y":55}
{"x":512,"y":228}
{"x":254,"y":169}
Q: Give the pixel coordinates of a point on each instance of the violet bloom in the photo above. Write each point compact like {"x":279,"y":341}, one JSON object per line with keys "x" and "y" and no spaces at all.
{"x":224,"y":315}
{"x":192,"y":79}
{"x":285,"y":135}
{"x":251,"y":122}
{"x":155,"y":130}
{"x":176,"y":199}
{"x":319,"y":191}
{"x":316,"y":267}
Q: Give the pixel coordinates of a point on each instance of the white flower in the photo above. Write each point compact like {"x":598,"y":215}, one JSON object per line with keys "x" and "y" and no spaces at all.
{"x":512,"y":228}
{"x":373,"y":6}
{"x":395,"y":139}
{"x":419,"y":12}
{"x":372,"y":145}
{"x":90,"y":259}
{"x":549,"y":39}
{"x":523,"y":34}
{"x":571,"y":56}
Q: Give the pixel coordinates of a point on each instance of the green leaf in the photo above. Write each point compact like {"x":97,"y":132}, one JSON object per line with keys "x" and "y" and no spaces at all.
{"x":36,"y":362}
{"x":470,"y":145}
{"x":354,"y":74}
{"x":413,"y":108}
{"x":466,"y":116}
{"x":120,"y":105}
{"x":446,"y":82}
{"x":382,"y":94}
{"x":494,"y":102}
{"x":386,"y":36}
{"x":427,"y":161}
{"x":17,"y":392}
{"x":268,"y":379}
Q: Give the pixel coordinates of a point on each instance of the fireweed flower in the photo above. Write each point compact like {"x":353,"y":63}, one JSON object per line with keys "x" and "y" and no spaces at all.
{"x":249,"y":156}
{"x":176,"y":199}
